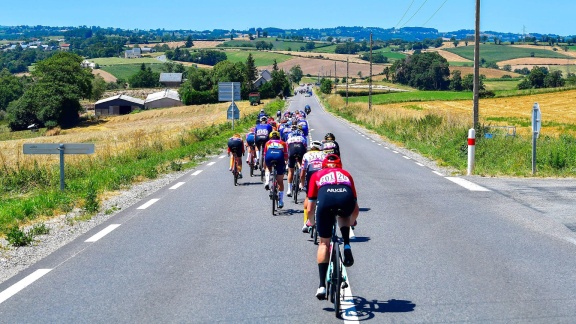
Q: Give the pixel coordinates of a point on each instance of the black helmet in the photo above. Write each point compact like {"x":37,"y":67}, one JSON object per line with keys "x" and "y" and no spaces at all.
{"x":329,"y":137}
{"x":307,"y":107}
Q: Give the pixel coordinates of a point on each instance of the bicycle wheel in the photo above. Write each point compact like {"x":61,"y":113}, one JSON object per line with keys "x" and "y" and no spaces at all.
{"x":296,"y":183}
{"x":315,"y":235}
{"x":252,"y":167}
{"x":235,"y":171}
{"x":261,"y":166}
{"x":274,"y":190}
{"x":332,"y":268}
{"x":337,"y":281}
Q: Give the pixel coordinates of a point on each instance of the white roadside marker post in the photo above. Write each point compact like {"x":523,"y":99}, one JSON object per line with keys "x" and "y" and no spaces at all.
{"x":471,"y":150}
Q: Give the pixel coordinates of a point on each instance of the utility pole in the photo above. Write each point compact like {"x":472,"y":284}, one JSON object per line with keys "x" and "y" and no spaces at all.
{"x":476,"y":67}
{"x":370,"y":79}
{"x":335,"y":78}
{"x":347,"y":67}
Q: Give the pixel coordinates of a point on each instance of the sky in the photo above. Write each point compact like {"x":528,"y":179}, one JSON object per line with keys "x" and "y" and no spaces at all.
{"x":516,"y":16}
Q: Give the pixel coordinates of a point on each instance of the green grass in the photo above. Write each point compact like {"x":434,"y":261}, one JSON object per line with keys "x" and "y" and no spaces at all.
{"x":494,"y":85}
{"x":106,"y":61}
{"x":442,"y":140}
{"x":125,"y":71}
{"x":260,"y":58}
{"x":395,"y":97}
{"x":499,"y":53}
{"x":331,"y":49}
{"x":465,"y":64}
{"x":28,"y":193}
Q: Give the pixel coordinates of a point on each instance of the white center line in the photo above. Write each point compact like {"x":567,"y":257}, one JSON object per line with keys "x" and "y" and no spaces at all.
{"x":148,"y":204}
{"x":467,"y":184}
{"x":211,"y":163}
{"x":197,"y":172}
{"x":15,"y":288}
{"x":102,"y":233}
{"x":176,"y":186}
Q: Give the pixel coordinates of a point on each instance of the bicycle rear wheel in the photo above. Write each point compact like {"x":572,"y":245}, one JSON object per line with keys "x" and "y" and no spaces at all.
{"x":261,"y":166}
{"x":296,"y":183}
{"x":274,"y":190}
{"x":337,"y":281}
{"x":235,"y":171}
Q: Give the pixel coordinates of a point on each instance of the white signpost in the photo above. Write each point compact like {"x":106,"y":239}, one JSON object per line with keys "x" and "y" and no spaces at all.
{"x":230,"y":91}
{"x":60,"y":149}
{"x":536,"y":125}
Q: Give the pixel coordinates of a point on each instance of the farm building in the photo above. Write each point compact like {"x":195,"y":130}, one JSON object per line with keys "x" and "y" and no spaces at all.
{"x":171,"y":80}
{"x":117,"y":105}
{"x":133,"y":53}
{"x":163,"y":99}
{"x":264,"y":77}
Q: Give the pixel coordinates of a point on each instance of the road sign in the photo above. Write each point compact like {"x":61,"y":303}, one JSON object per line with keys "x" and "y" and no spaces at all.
{"x":50,"y":148}
{"x":228,"y":91}
{"x":233,"y":111}
{"x":60,"y":149}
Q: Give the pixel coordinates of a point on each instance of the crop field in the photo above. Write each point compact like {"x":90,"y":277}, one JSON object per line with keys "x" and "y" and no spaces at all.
{"x":325,"y":49}
{"x":489,"y":73}
{"x":500,"y":85}
{"x":499,"y":53}
{"x":125,"y":71}
{"x":414,"y":96}
{"x":260,"y":58}
{"x":104,"y":61}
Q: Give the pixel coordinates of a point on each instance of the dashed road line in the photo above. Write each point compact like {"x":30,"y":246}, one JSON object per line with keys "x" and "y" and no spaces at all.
{"x":396,"y":152}
{"x":407,"y":158}
{"x":176,"y":186}
{"x":420,"y":164}
{"x":222,"y":156}
{"x":467,"y":184}
{"x":148,"y":204}
{"x":102,"y":233}
{"x":438,"y":173}
{"x":197,"y":172}
{"x":211,"y":163}
{"x":15,"y":288}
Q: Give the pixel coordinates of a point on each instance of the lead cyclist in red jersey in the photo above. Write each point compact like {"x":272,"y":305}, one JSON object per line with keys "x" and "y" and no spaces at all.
{"x":331,"y":191}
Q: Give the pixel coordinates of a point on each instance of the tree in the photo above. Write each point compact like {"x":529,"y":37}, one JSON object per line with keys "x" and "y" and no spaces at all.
{"x":251,"y":72}
{"x":425,"y":71}
{"x":98,"y":88}
{"x":537,"y":76}
{"x":189,"y":42}
{"x":456,"y":81}
{"x":326,"y":86}
{"x":275,"y":65}
{"x":296,"y":74}
{"x":554,"y":80}
{"x":387,"y":73}
{"x":145,"y":78}
{"x":10,"y":89}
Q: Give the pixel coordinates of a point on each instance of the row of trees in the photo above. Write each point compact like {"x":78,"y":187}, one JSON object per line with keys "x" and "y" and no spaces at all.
{"x":201,"y":85}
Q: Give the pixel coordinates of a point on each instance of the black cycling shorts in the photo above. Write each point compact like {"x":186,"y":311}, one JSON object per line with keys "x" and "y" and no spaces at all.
{"x":235,"y":147}
{"x":333,"y":200}
{"x":261,"y":141}
{"x":295,"y":149}
{"x":309,"y":173}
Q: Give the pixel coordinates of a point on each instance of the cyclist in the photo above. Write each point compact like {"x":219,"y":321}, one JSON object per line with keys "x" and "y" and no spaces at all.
{"x":250,"y":145}
{"x":307,"y":109}
{"x":329,"y":145}
{"x":236,"y":146}
{"x":303,"y":126}
{"x":331,"y":190}
{"x":278,"y":114}
{"x":262,"y":114}
{"x":311,"y":162}
{"x":297,"y":147}
{"x":263,"y":130}
{"x":276,"y":151}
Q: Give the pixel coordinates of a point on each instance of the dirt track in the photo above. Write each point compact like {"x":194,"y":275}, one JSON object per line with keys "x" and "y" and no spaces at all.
{"x":107,"y":76}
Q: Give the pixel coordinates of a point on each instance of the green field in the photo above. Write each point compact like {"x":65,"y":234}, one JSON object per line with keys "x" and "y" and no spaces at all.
{"x":104,"y":61}
{"x":495,"y":85}
{"x":260,"y":58}
{"x":330,"y":49}
{"x":497,"y":53}
{"x":394,"y":97}
{"x":125,"y":71}
{"x":466,"y":64}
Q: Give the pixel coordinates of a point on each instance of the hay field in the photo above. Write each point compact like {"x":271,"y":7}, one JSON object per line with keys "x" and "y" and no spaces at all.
{"x":489,"y":73}
{"x":558,"y":111}
{"x":326,"y":67}
{"x":197,"y":44}
{"x":330,"y":56}
{"x":114,"y":134}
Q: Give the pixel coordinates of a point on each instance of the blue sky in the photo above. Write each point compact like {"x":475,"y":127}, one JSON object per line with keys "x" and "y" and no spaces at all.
{"x":553,"y":16}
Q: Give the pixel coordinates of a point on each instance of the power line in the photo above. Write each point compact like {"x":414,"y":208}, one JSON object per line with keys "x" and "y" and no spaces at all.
{"x":417,"y":11}
{"x":405,"y":12}
{"x":434,"y":14}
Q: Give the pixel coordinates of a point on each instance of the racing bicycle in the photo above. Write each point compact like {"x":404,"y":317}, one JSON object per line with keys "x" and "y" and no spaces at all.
{"x":336,"y":277}
{"x":274,"y":188}
{"x":296,"y":178}
{"x":235,"y":171}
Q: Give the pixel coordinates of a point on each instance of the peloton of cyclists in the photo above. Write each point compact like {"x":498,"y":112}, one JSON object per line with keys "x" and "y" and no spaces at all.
{"x":332,"y":189}
{"x":276,"y":151}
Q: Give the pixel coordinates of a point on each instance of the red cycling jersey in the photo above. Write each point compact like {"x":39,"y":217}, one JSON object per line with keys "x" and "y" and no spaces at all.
{"x":329,"y":176}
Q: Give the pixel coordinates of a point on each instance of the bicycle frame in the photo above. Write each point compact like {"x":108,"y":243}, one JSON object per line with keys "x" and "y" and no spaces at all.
{"x":336,"y":277}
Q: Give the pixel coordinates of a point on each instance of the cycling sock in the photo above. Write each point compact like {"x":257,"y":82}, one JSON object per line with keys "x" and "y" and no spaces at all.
{"x":345,"y":230}
{"x":305,"y":215}
{"x":240,"y":168}
{"x":281,"y":195}
{"x":322,"y":270}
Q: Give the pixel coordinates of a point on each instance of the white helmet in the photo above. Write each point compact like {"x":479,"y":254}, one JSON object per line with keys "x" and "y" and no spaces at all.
{"x":316,"y":145}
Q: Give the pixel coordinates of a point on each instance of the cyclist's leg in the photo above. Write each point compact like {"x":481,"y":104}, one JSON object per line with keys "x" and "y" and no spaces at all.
{"x":281,"y":169}
{"x":322,"y":256}
{"x":291,"y":162}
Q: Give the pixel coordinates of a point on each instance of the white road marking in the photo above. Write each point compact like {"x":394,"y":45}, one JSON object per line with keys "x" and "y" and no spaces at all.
{"x":148,"y":204}
{"x":438,"y":173}
{"x":571,"y":240}
{"x":379,"y":144}
{"x":407,"y":158}
{"x":387,"y":148}
{"x":373,"y":141}
{"x":347,"y":306}
{"x":467,"y":184}
{"x":176,"y":186}
{"x":197,"y":172}
{"x":396,"y":152}
{"x":222,"y":156}
{"x":420,"y":164}
{"x":211,"y":163}
{"x":102,"y":233}
{"x":15,"y":288}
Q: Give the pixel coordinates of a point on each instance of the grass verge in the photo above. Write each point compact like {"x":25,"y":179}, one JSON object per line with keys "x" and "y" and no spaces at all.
{"x":28,"y":195}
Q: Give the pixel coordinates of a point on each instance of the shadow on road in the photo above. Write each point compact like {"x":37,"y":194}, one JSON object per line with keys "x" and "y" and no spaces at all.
{"x":360,"y":239}
{"x":366,"y":309}
{"x":249,"y":183}
{"x":364,"y":209}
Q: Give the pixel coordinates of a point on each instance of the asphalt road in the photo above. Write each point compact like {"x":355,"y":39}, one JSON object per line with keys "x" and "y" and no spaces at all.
{"x":427,"y":249}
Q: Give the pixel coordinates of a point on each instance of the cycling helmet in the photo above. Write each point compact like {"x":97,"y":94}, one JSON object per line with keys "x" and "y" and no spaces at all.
{"x":307,"y":107}
{"x":263,"y":119}
{"x":273,"y":123}
{"x":262,"y":110}
{"x":331,"y":161}
{"x":329,"y":137}
{"x":299,"y":127}
{"x":294,"y":127}
{"x":274,"y":135}
{"x":316,"y":145}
